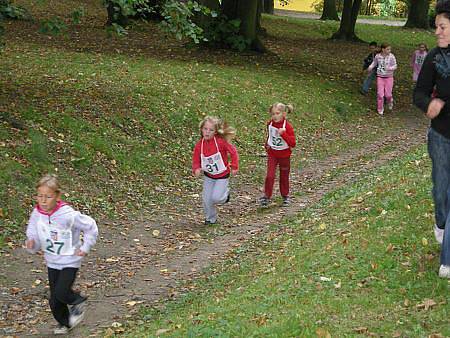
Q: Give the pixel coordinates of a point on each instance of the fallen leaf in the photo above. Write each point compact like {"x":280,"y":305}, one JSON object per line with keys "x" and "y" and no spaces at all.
{"x":361,"y":329}
{"x":426,"y":304}
{"x":161,"y":331}
{"x":322,"y":333}
{"x":156,"y":233}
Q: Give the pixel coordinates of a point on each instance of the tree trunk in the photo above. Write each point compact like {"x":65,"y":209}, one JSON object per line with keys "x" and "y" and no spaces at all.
{"x":259,"y":29}
{"x":247,"y":12}
{"x":268,"y":6}
{"x":329,"y":10}
{"x":202,"y":20}
{"x":369,"y":7}
{"x":115,"y":15}
{"x":229,"y":8}
{"x":348,"y":21}
{"x":418,"y":14}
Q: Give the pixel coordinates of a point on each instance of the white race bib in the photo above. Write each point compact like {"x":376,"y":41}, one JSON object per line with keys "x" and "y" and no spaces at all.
{"x":275,"y":141}
{"x":54,"y":239}
{"x":212,"y":164}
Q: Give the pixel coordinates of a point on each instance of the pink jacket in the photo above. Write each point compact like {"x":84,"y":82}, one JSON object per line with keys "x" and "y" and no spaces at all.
{"x":416,"y":62}
{"x":385,"y":65}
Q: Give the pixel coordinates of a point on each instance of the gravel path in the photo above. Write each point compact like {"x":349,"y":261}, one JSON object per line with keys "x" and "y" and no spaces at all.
{"x":314,"y":16}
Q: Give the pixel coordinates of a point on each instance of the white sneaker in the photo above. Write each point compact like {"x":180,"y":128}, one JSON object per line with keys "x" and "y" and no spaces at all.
{"x":381,"y":112}
{"x":438,"y":234}
{"x":391,"y":105}
{"x":61,"y":329}
{"x":74,"y":320}
{"x":444,"y":271}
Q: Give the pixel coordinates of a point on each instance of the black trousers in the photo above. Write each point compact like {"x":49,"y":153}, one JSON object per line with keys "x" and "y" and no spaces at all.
{"x":61,"y":293}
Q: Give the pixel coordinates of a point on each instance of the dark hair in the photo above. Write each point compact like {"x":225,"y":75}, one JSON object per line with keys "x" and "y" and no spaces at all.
{"x":443,"y":7}
{"x":384,"y":45}
{"x":373,"y":43}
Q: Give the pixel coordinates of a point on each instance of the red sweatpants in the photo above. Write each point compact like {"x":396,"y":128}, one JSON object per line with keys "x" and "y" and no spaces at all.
{"x":285,"y":167}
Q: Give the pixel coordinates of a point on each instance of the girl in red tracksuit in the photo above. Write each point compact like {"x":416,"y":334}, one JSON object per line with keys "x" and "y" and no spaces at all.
{"x":211,"y":157}
{"x":280,"y":141}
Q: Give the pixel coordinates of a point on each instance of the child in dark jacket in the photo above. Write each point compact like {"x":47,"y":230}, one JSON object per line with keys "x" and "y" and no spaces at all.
{"x":366,"y":63}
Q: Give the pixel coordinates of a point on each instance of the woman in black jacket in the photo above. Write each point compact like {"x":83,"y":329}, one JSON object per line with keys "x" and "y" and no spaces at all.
{"x":431,"y":95}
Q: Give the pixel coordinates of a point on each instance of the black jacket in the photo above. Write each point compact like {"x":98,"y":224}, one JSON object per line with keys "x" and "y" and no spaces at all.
{"x":368,"y":60}
{"x":434,"y":81}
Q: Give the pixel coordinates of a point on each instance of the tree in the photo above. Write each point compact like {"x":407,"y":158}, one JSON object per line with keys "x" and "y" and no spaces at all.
{"x":418,"y":14}
{"x":268,"y":6}
{"x":329,"y":10}
{"x":348,"y":21}
{"x":248,"y":14}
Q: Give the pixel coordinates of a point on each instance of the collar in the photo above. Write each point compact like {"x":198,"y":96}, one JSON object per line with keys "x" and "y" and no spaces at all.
{"x":58,"y":206}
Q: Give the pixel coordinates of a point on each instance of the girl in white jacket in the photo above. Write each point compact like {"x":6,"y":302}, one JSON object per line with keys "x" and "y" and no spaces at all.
{"x":55,"y":227}
{"x":386,"y":65}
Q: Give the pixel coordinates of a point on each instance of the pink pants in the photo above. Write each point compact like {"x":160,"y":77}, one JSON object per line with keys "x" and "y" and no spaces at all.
{"x":384,"y":89}
{"x":285,"y":167}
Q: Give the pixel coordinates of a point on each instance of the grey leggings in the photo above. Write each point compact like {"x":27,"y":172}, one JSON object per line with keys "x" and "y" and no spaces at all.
{"x":215,"y":191}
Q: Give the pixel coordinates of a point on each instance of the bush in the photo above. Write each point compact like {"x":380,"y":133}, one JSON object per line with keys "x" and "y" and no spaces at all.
{"x":9,"y":11}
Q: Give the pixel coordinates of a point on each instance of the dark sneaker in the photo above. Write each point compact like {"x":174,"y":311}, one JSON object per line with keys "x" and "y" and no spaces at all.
{"x":61,"y":329}
{"x":286,"y":201}
{"x":362,"y":92}
{"x":209,"y":222}
{"x":263,"y":201}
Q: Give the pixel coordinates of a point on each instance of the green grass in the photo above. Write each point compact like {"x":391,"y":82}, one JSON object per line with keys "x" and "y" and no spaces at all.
{"x":117,"y":118}
{"x":363,"y":260}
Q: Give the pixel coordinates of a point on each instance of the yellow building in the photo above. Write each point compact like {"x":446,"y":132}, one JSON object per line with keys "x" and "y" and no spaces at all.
{"x":297,"y":5}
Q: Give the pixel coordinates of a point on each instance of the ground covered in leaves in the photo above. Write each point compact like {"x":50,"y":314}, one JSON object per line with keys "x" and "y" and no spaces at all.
{"x":117,"y":119}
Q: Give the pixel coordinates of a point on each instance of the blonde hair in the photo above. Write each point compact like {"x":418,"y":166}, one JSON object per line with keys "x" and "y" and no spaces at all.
{"x":51,"y":181}
{"x":285,"y":108}
{"x":221,"y":128}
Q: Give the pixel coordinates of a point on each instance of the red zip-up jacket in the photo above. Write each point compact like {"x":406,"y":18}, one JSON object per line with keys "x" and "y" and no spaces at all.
{"x":288,"y":136}
{"x":209,"y":148}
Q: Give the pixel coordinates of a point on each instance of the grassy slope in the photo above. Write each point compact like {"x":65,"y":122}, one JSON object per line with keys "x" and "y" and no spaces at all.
{"x":362,"y":261}
{"x":117,"y":117}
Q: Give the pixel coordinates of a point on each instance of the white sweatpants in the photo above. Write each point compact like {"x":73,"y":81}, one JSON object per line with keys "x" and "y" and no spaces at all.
{"x":214,"y":192}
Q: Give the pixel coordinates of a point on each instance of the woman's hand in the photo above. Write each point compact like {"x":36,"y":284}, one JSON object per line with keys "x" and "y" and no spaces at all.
{"x":434,"y":108}
{"x":234,"y":172}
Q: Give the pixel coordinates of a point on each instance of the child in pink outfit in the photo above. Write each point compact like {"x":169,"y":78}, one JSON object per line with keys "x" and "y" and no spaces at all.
{"x":417,"y":60}
{"x":386,"y":65}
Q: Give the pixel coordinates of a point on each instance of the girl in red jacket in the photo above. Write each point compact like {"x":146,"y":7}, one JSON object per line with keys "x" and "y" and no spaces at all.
{"x":279,"y":142}
{"x":211,"y":157}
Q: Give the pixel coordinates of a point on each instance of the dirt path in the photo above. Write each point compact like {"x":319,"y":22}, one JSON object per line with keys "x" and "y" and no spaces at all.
{"x":144,"y":263}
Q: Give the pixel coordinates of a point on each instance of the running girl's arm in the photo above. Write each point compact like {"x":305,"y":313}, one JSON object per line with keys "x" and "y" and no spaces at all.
{"x":289,"y":136}
{"x":392,"y":63}
{"x":32,"y":242}
{"x":90,"y":230}
{"x":413,"y":59}
{"x":196,"y":165}
{"x":231,"y":149}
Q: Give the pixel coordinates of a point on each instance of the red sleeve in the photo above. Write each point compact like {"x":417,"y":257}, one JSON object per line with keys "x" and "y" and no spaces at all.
{"x":289,"y":136}
{"x":234,"y":156}
{"x":196,"y":162}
